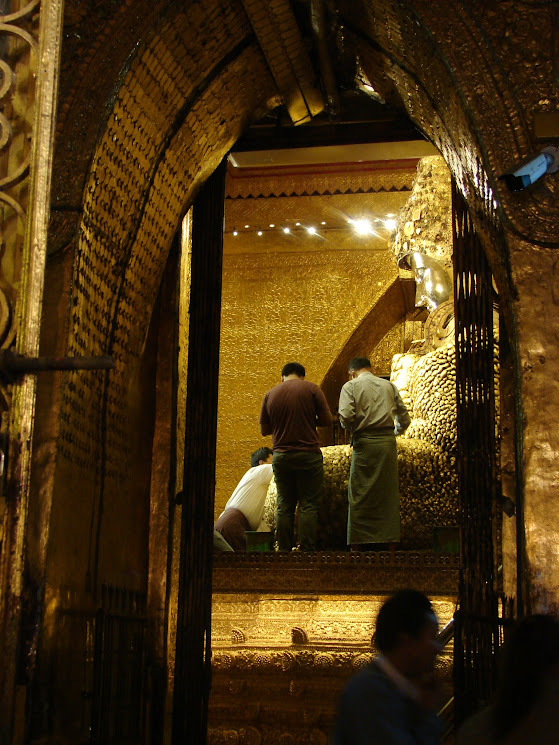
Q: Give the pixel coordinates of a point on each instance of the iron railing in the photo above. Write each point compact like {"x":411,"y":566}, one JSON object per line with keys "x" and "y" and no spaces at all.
{"x":102,"y":667}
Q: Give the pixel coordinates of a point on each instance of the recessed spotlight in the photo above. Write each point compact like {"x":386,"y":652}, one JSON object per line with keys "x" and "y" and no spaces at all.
{"x":362,"y":227}
{"x":272,"y":225}
{"x":286,"y":230}
{"x":390,"y":223}
{"x":259,"y":232}
{"x":235,"y":232}
{"x":323,"y":223}
{"x":298,"y":224}
{"x":311,"y":230}
{"x":247,"y":226}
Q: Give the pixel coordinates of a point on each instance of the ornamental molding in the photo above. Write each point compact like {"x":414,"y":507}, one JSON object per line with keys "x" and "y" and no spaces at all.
{"x":332,"y":571}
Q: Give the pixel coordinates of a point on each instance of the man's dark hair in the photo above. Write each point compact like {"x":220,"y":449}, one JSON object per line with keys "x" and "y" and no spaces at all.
{"x":358,"y":363}
{"x":293,"y":367}
{"x":260,"y":454}
{"x":406,"y":612}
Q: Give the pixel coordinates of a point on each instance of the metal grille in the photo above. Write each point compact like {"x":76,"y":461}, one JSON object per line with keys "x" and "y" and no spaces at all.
{"x":117,"y":711}
{"x":477,"y":632}
{"x":100,"y":663}
{"x":192,"y":661}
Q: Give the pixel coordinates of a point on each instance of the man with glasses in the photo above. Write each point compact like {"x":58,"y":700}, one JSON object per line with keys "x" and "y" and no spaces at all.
{"x":393,"y":701}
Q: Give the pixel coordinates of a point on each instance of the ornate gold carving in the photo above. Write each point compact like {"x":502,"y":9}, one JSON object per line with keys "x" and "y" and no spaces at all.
{"x":298,"y":635}
{"x":287,"y":661}
{"x":18,"y":34}
{"x":438,"y":329}
{"x":287,"y":692}
{"x":332,"y":571}
{"x":237,"y":636}
{"x":262,"y":659}
{"x":377,"y":177}
{"x":360,"y":660}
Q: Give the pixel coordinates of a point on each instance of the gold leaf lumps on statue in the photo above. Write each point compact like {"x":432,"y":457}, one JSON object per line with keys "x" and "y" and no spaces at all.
{"x":426,"y":218}
{"x":426,"y":379}
{"x":428,"y":495}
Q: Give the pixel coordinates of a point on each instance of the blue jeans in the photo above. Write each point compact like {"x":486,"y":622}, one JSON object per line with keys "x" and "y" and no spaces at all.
{"x":299,"y":477}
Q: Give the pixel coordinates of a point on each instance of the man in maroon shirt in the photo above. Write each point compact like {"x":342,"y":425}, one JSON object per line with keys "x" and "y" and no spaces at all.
{"x":291,"y":412}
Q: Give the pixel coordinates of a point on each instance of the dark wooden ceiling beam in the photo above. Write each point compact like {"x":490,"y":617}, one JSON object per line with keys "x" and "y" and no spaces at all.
{"x":270,"y":137}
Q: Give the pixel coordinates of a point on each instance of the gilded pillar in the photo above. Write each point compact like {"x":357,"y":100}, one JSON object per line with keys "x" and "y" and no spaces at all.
{"x":30,"y":34}
{"x":536,"y":277}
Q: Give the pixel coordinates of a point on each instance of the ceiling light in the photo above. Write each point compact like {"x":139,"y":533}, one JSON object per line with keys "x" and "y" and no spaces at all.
{"x":390,"y":223}
{"x":323,"y":223}
{"x":298,"y":224}
{"x":235,"y":232}
{"x":362,"y":227}
{"x":311,"y":230}
{"x":246,"y":226}
{"x":272,"y":225}
{"x":286,"y":230}
{"x":259,"y":232}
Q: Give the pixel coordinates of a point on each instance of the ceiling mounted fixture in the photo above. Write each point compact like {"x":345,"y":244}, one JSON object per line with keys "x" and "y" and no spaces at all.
{"x":362,"y":226}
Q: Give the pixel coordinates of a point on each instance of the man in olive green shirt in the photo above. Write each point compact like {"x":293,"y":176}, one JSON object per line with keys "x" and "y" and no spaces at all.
{"x":372,"y":411}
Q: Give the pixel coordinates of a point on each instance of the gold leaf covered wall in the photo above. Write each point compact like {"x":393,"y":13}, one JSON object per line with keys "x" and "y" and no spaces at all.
{"x":294,"y":296}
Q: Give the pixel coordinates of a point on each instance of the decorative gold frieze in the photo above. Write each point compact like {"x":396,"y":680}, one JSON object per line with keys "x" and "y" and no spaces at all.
{"x":335,"y":571}
{"x":320,"y":179}
{"x":283,"y":688}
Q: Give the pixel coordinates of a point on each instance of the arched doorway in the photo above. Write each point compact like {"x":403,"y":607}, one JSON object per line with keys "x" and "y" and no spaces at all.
{"x":190,"y":109}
